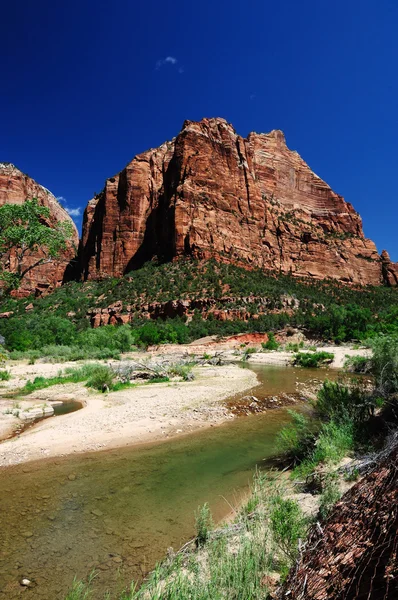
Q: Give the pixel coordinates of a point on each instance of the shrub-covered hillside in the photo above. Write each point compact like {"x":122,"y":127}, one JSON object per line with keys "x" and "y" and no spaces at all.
{"x":324,"y":308}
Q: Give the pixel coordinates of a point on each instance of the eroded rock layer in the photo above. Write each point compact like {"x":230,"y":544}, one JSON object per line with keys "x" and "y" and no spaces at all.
{"x":15,"y":188}
{"x":211,"y":193}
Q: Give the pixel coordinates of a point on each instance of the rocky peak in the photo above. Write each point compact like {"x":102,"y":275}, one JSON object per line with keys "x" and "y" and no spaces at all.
{"x":212,"y":193}
{"x":389,"y":269}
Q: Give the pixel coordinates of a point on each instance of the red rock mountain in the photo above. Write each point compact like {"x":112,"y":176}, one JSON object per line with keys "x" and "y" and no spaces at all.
{"x":250,"y":201}
{"x":15,"y":188}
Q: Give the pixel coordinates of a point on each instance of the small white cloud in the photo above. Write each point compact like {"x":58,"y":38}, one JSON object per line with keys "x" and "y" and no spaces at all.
{"x":73,"y":212}
{"x":169,"y":60}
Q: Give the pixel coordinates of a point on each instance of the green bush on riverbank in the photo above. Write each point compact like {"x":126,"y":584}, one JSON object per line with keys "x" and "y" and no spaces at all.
{"x":96,"y":375}
{"x":112,"y":378}
{"x":313,"y":359}
{"x":346,"y":415}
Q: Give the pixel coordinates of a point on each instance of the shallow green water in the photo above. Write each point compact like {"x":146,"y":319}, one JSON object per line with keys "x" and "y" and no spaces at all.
{"x":67,"y":407}
{"x":118,"y":511}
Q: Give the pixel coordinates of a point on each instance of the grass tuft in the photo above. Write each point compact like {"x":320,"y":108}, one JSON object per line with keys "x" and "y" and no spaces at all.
{"x":4,"y":375}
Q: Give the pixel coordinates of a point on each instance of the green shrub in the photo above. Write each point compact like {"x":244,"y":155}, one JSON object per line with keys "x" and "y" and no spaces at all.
{"x":304,"y":470}
{"x":288,"y":525}
{"x":293,"y":346}
{"x":334,"y":441}
{"x":33,"y":331}
{"x":271,"y":343}
{"x":4,"y":375}
{"x":247,"y":352}
{"x":118,"y":338}
{"x":313,"y":360}
{"x":153,"y":333}
{"x":296,"y":439}
{"x":358,"y":364}
{"x":385,"y":363}
{"x":30,"y":355}
{"x":40,"y":383}
{"x":65,"y":353}
{"x":101,"y":378}
{"x":341,"y":403}
{"x":203,"y":524}
{"x":69,"y":375}
{"x":330,"y":495}
{"x":327,"y":309}
{"x":183,"y":371}
{"x":162,"y":379}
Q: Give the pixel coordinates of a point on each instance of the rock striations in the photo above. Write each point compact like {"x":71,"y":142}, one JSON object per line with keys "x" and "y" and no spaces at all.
{"x":15,"y":188}
{"x":211,"y":193}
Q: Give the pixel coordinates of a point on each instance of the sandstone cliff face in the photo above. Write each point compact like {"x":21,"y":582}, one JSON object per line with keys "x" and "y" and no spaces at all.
{"x":390,"y":270}
{"x":15,"y":188}
{"x":210,"y":192}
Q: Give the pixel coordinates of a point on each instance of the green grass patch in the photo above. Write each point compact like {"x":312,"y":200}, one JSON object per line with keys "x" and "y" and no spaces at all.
{"x":294,"y":346}
{"x":92,"y":373}
{"x":330,"y":495}
{"x":4,"y":375}
{"x":342,"y":403}
{"x":296,"y":440}
{"x":313,"y":359}
{"x":62,"y":353}
{"x":97,"y":376}
{"x":247,"y":352}
{"x":358,"y":364}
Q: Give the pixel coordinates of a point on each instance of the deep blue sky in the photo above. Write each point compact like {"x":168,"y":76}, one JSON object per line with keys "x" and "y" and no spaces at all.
{"x":85,"y":85}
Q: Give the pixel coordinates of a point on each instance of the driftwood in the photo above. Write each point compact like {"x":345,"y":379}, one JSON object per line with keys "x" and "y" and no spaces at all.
{"x":367,"y":462}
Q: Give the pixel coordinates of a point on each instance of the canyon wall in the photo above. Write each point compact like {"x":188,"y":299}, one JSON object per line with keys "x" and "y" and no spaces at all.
{"x":249,"y":201}
{"x":15,"y":188}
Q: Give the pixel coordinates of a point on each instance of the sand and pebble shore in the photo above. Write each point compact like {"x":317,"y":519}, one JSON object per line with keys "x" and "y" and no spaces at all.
{"x":133,"y":415}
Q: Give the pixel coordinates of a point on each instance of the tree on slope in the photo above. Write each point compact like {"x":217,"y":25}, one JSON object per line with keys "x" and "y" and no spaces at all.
{"x":28,"y":240}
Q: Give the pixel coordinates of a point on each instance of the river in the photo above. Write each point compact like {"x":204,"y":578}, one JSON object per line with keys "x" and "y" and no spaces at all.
{"x":117,"y":512}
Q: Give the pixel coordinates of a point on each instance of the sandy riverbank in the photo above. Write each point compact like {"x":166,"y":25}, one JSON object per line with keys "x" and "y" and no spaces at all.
{"x":285,"y":358}
{"x":135,"y":415}
{"x":232,"y":350}
{"x":130,"y":416}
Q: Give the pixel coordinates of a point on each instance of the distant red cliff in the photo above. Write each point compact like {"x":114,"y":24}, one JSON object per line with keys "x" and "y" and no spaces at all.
{"x":15,"y":188}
